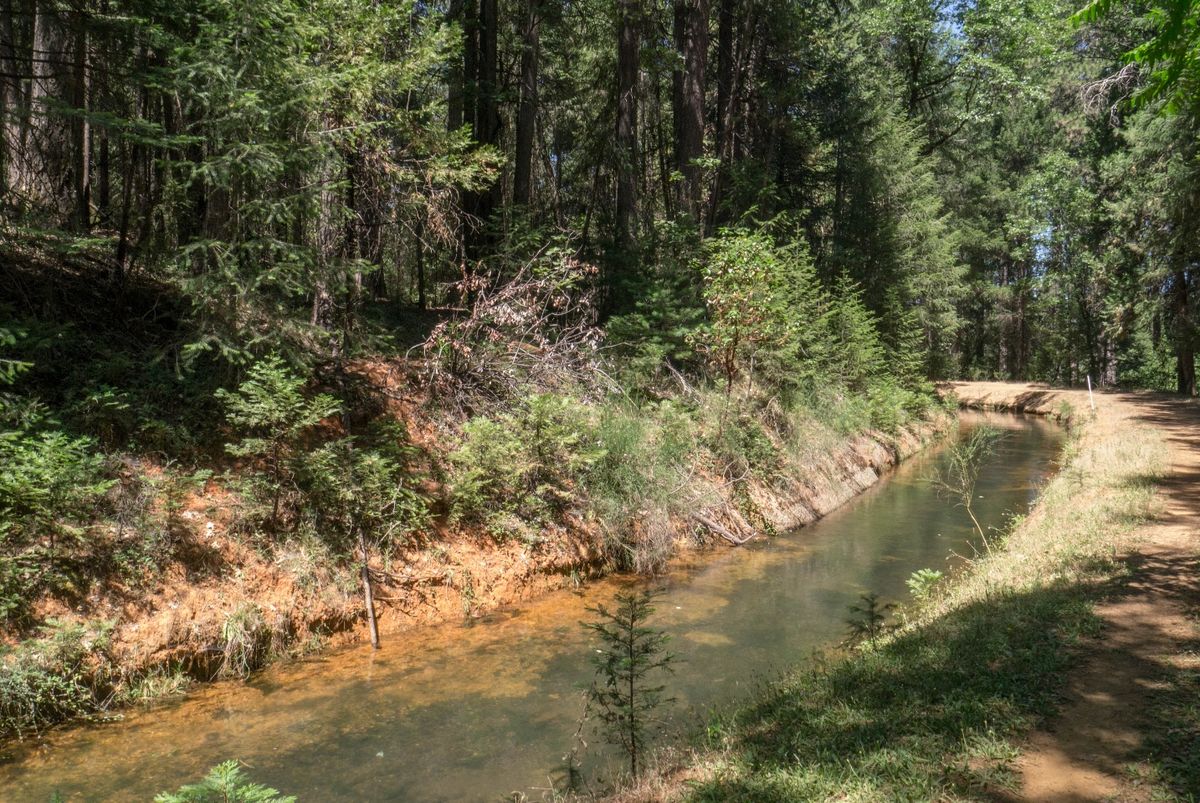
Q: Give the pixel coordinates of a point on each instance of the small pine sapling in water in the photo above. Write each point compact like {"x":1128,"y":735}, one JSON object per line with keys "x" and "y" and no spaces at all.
{"x":868,"y":620}
{"x":225,"y":783}
{"x":960,"y":474}
{"x":624,"y":692}
{"x":272,"y":412}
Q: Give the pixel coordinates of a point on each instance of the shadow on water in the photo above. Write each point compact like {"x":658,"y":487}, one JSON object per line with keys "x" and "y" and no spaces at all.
{"x":469,"y":713}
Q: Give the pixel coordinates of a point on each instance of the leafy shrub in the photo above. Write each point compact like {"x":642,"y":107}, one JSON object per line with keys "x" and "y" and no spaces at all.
{"x":272,"y":412}
{"x":641,"y":453}
{"x":352,"y":491}
{"x":526,"y":464}
{"x":54,"y":677}
{"x":51,"y":485}
{"x":225,"y":783}
{"x":488,"y":469}
{"x":740,"y":271}
{"x":922,"y":582}
{"x":107,"y":412}
{"x":741,"y":445}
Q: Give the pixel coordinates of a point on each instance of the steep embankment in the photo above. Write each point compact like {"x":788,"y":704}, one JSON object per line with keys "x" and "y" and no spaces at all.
{"x":1115,"y":732}
{"x":1053,"y":669}
{"x":454,"y":572}
{"x":226,"y":605}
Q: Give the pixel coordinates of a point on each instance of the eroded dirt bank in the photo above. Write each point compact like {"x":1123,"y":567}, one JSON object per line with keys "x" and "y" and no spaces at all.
{"x":450,"y":574}
{"x":1101,"y":746}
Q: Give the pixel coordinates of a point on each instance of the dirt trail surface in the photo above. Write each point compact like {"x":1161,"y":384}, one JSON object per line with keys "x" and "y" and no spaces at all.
{"x":1086,"y":753}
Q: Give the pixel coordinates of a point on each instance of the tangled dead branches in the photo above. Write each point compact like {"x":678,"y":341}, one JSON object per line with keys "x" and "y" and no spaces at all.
{"x":537,"y":329}
{"x":1110,"y":92}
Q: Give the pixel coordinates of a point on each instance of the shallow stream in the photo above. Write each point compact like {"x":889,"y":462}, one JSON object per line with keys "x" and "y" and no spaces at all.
{"x":461,"y":713}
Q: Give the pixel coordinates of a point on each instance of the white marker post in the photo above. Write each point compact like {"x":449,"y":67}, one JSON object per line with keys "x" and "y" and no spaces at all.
{"x":1091,"y":398}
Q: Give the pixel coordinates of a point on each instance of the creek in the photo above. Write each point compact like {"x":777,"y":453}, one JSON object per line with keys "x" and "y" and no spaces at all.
{"x":475,"y":711}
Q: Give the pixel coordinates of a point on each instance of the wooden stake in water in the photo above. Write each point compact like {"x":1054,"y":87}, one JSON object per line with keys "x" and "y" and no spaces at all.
{"x":1091,"y":398}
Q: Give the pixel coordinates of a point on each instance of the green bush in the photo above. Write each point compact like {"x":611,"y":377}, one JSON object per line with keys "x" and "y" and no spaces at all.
{"x":51,"y":488}
{"x":740,"y":444}
{"x":526,"y":464}
{"x":57,"y":676}
{"x":351,"y":490}
{"x":643,"y":451}
{"x":273,"y":415}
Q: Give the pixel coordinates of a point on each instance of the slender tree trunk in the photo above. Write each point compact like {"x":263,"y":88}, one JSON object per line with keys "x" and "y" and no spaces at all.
{"x":81,"y":130}
{"x":368,"y":593}
{"x":487,"y":119}
{"x":11,"y":102}
{"x":422,"y":302}
{"x":725,"y":17}
{"x":1185,"y":355}
{"x":454,"y":81}
{"x":691,"y":41}
{"x":628,"y":47}
{"x":527,"y":111}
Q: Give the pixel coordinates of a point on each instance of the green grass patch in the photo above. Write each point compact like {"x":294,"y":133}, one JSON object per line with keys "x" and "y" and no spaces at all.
{"x":937,"y":709}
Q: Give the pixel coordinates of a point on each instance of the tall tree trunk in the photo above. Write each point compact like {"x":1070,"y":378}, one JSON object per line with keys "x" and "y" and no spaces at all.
{"x":81,"y":130}
{"x":725,"y":14}
{"x":1185,"y":355}
{"x":454,"y":81}
{"x":527,"y":111}
{"x":470,"y":84}
{"x":628,"y":48}
{"x":487,"y":119}
{"x":11,"y":101}
{"x":691,"y":41}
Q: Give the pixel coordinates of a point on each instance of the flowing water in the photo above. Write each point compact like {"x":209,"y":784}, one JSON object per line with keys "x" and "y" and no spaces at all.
{"x":461,"y":712}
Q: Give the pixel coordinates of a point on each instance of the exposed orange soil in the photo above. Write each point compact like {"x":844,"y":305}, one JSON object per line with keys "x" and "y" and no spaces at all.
{"x":1086,"y":752}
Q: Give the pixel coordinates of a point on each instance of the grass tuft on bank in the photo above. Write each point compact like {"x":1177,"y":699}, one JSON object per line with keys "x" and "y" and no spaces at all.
{"x":934,"y":711}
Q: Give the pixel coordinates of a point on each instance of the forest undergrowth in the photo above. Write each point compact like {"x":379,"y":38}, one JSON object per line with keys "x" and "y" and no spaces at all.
{"x":522,"y":427}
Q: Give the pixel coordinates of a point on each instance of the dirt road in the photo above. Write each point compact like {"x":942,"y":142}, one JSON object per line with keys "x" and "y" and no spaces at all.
{"x":1088,"y":752}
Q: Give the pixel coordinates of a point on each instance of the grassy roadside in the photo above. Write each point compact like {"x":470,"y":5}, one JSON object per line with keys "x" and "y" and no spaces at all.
{"x":935,"y":710}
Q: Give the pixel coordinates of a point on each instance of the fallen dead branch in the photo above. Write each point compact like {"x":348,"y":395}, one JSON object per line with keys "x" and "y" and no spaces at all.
{"x":721,"y":530}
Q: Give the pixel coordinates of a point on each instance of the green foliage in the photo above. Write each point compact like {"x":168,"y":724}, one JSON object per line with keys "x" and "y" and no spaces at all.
{"x":225,"y":783}
{"x":51,"y":487}
{"x":353,"y":491}
{"x":274,"y":415}
{"x":632,"y":485}
{"x":61,"y":674}
{"x":525,"y":464}
{"x":10,"y":369}
{"x":741,"y":444}
{"x":1171,"y":55}
{"x":624,"y":694}
{"x":868,"y":620}
{"x":922,"y":582}
{"x":740,"y":273}
{"x":924,"y":715}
